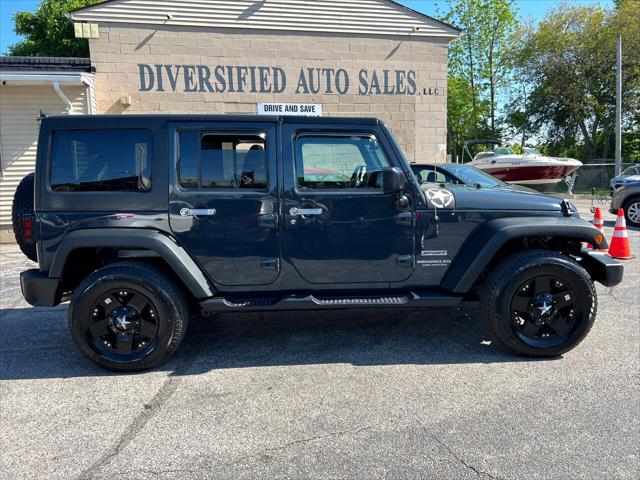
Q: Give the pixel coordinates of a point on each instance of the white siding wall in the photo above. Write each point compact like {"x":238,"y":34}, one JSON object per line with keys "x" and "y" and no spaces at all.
{"x":19,"y":110}
{"x":380,"y":17}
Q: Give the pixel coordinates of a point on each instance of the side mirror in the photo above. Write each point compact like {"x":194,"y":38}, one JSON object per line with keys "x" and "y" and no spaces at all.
{"x":393,"y":180}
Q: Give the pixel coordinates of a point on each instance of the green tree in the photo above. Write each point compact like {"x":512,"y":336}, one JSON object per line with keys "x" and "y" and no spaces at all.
{"x":497,"y":25}
{"x":460,"y":115}
{"x":479,"y":58}
{"x":48,"y":32}
{"x":569,"y":60}
{"x":464,"y":54}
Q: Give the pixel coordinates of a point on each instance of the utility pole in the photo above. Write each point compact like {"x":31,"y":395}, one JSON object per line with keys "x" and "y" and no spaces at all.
{"x":619,"y":106}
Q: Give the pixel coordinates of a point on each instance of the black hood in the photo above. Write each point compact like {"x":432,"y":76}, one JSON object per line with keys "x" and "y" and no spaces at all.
{"x":471,"y":198}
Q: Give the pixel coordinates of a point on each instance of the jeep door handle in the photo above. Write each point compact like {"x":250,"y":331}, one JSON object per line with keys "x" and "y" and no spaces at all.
{"x":198,"y":212}
{"x":304,"y":212}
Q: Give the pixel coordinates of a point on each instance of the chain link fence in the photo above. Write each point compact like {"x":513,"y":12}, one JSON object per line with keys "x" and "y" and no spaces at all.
{"x":593,"y":176}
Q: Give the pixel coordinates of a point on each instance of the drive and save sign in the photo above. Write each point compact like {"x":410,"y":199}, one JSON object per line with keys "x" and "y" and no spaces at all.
{"x":304,"y":109}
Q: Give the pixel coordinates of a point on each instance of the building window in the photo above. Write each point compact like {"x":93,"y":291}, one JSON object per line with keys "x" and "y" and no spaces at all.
{"x":339,"y":162}
{"x":221,"y":161}
{"x":101,"y":161}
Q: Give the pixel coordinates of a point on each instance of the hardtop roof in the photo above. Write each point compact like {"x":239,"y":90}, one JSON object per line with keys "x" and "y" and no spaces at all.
{"x":227,"y":118}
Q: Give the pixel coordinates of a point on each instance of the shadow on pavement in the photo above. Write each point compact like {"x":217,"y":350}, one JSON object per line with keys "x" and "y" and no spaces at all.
{"x":39,"y":346}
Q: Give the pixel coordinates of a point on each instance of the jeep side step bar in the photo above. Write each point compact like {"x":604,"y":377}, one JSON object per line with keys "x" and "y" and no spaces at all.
{"x":322,"y":302}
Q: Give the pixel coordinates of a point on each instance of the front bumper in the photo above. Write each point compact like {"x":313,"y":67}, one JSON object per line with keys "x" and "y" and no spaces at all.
{"x":38,"y":289}
{"x":615,"y":205}
{"x":602,"y":267}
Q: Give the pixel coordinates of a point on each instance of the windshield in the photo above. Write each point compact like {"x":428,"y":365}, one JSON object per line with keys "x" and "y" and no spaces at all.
{"x":504,"y":151}
{"x":473,"y":176}
{"x":531,"y":151}
{"x":630,"y":171}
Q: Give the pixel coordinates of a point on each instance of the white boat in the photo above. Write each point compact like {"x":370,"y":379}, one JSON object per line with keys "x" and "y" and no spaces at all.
{"x":531,"y":169}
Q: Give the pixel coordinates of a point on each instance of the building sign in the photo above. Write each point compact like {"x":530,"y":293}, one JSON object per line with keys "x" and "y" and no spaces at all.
{"x":264,"y":79}
{"x":304,"y":109}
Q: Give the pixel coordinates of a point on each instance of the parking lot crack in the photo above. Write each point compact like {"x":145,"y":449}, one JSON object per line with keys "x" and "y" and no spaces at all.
{"x":320,"y":437}
{"x":461,"y":460}
{"x":254,"y":457}
{"x":150,"y":409}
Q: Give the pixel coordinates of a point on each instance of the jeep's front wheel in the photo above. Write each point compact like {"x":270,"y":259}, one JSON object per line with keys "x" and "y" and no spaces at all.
{"x":539,"y":303}
{"x":128,"y":316}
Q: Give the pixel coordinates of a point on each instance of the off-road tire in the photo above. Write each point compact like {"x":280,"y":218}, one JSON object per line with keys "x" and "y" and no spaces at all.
{"x":23,"y":204}
{"x":167,"y":297}
{"x":635,"y":201}
{"x":503,"y":282}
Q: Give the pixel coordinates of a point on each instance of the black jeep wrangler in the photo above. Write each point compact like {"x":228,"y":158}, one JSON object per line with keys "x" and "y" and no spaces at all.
{"x":141,"y":221}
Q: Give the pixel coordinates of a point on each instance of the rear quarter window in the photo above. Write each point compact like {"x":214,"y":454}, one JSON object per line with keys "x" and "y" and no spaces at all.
{"x":109,"y":160}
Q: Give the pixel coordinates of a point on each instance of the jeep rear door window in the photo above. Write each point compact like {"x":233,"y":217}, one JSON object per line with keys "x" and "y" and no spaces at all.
{"x":101,"y":161}
{"x":221,"y":161}
{"x":339,"y":162}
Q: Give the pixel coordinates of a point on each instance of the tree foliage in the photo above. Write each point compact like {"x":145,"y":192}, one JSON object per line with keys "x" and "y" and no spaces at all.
{"x":569,"y":62}
{"x":551,"y":82}
{"x":48,"y":32}
{"x":461,"y":111}
{"x":479,"y":60}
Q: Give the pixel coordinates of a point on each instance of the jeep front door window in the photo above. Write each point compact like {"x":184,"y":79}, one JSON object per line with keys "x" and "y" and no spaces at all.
{"x":339,"y":162}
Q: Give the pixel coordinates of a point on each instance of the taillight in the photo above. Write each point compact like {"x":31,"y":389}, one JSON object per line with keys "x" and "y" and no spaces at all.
{"x":26,"y":227}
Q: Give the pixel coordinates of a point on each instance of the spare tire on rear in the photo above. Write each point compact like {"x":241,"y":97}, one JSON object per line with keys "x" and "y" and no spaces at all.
{"x":23,"y":205}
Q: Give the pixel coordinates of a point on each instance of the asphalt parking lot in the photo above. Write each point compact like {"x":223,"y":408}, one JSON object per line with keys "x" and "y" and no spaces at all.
{"x":375,"y":394}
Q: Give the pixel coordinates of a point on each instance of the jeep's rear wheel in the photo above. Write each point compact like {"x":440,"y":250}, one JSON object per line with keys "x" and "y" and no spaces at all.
{"x":539,"y":303}
{"x":128,"y":316}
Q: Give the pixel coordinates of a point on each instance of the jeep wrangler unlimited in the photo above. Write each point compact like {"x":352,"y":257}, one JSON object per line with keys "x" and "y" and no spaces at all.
{"x":141,"y":221}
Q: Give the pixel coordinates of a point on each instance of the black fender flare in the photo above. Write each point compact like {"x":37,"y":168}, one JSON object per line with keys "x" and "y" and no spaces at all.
{"x":161,"y":244}
{"x":481,"y":247}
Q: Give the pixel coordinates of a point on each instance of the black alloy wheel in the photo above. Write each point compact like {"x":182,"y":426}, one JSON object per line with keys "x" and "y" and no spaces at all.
{"x":128,"y":316}
{"x":539,"y":303}
{"x":123,"y":325}
{"x":544,"y":311}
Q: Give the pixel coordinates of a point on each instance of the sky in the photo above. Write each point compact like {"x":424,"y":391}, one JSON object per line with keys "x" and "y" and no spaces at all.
{"x":527,"y":8}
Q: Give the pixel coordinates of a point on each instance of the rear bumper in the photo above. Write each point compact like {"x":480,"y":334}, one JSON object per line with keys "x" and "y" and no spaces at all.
{"x":602,"y":268}
{"x":38,"y":289}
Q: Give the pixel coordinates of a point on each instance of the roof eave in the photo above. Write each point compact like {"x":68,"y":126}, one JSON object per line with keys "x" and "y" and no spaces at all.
{"x":450,"y":36}
{"x":454,"y":31}
{"x":65,"y":78}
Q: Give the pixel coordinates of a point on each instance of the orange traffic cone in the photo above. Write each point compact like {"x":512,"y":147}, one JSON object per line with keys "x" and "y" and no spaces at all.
{"x":599,"y":224}
{"x":620,"y":247}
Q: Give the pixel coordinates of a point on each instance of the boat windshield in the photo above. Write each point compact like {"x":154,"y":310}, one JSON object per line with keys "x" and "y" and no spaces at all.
{"x":504,"y":151}
{"x":531,"y":151}
{"x":484,"y":155}
{"x":472,"y":176}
